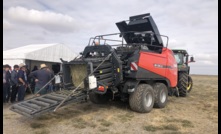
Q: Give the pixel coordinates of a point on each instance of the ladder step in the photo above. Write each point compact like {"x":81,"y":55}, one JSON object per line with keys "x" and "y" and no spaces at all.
{"x":39,"y":103}
{"x":53,"y":97}
{"x":64,"y":92}
{"x":28,"y":111}
{"x":59,"y":95}
{"x":47,"y":100}
{"x":22,"y":113}
{"x":25,"y":106}
{"x":31,"y":105}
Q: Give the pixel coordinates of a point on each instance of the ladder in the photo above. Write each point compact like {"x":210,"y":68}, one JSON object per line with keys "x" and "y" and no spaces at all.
{"x":36,"y":106}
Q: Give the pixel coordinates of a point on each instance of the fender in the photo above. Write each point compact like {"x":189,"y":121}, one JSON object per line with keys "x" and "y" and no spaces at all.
{"x":130,"y":86}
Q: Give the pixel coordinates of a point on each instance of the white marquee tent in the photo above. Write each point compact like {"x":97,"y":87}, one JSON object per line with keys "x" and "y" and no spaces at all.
{"x":36,"y":54}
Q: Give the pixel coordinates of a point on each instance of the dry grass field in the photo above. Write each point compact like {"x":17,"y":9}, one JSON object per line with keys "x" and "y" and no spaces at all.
{"x":197,"y":113}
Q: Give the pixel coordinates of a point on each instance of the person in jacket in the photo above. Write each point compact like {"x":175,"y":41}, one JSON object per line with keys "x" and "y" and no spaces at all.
{"x":34,"y":68}
{"x":6,"y":81}
{"x":32,"y":79}
{"x":42,"y":77}
{"x":28,"y":72}
{"x":51,"y":85}
{"x":22,"y":81}
{"x":14,"y":83}
{"x":8,"y":92}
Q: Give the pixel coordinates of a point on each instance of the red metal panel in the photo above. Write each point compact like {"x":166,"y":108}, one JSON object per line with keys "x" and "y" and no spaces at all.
{"x":171,"y":73}
{"x":147,"y":60}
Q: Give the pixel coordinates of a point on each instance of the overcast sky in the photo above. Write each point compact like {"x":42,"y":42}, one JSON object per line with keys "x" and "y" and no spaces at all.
{"x":190,"y":24}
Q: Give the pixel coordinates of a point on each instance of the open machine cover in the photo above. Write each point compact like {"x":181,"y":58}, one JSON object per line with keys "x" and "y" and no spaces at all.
{"x":140,"y":23}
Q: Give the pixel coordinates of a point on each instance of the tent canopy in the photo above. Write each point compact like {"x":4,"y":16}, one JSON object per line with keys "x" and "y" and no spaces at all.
{"x":40,"y":52}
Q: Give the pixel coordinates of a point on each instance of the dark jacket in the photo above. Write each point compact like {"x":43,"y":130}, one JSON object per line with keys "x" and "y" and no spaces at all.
{"x":6,"y":77}
{"x":52,"y":75}
{"x":14,"y":77}
{"x":43,"y":77}
{"x":23,"y":76}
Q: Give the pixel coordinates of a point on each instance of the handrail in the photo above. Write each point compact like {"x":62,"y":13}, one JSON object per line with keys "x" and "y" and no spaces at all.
{"x":100,"y":37}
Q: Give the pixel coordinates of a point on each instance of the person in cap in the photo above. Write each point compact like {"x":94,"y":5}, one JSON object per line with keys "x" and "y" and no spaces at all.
{"x":6,"y":81}
{"x":22,"y":81}
{"x":42,"y":77}
{"x":14,"y":83}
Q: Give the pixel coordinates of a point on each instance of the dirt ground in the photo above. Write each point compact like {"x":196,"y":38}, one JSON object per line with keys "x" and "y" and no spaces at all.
{"x":197,"y":113}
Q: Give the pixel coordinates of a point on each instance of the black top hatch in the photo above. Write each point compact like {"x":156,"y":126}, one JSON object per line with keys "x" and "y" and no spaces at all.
{"x":140,"y":23}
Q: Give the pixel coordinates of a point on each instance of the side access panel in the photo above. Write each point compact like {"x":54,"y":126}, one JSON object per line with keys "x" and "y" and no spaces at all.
{"x":153,"y":62}
{"x":161,"y":64}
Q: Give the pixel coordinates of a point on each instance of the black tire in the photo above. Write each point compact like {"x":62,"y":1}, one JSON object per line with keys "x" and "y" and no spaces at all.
{"x":182,"y":84}
{"x":142,"y":99}
{"x":190,"y":84}
{"x":161,"y":95}
{"x":98,"y":98}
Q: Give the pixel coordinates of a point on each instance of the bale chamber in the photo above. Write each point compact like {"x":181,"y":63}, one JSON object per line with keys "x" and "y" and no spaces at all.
{"x":74,"y":74}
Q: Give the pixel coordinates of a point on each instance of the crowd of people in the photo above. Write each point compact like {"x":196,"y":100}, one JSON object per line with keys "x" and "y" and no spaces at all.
{"x":17,"y":81}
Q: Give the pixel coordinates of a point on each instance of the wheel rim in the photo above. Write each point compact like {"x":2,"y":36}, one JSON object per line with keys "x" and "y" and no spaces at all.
{"x":189,"y":86}
{"x":148,"y":99}
{"x":162,"y":96}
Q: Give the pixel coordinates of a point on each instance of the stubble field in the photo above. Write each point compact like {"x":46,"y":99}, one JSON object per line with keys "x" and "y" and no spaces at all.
{"x":196,"y":113}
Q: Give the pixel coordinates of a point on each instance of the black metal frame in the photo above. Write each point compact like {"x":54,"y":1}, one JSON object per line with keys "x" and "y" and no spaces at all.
{"x":100,"y":37}
{"x":36,"y":108}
